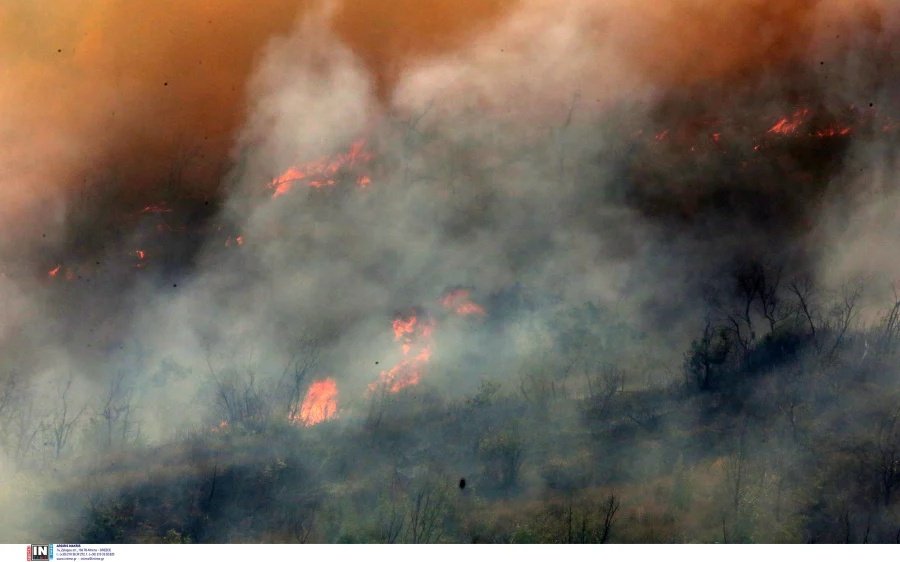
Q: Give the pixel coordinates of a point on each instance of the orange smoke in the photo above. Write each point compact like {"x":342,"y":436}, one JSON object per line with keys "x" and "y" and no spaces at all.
{"x":319,"y":405}
{"x":388,"y":35}
{"x":137,"y":89}
{"x":148,"y":91}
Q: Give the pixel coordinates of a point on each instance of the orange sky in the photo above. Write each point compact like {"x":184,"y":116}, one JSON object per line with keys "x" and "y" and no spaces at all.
{"x":108,"y":89}
{"x":103,"y":88}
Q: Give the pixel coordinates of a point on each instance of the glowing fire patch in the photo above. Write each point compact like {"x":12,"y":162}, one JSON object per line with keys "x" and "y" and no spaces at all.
{"x":54,"y":272}
{"x":833,"y":132}
{"x":323,"y":172}
{"x":319,"y":405}
{"x":414,"y":335}
{"x":788,"y":125}
{"x":156,"y":208}
{"x":459,"y":302}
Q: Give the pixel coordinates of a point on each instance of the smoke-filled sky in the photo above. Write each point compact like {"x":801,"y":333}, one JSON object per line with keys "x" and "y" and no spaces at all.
{"x":552,"y":153}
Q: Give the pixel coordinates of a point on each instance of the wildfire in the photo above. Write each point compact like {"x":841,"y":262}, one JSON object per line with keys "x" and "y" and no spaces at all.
{"x":67,"y":273}
{"x":458,"y":301}
{"x":323,"y":172}
{"x":789,"y":124}
{"x":156,"y":208}
{"x":833,"y":132}
{"x":414,"y":335}
{"x":141,"y":255}
{"x":221,"y":428}
{"x":320,"y":404}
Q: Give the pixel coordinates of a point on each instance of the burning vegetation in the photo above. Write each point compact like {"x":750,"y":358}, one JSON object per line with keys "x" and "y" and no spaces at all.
{"x":325,"y":172}
{"x":319,"y":405}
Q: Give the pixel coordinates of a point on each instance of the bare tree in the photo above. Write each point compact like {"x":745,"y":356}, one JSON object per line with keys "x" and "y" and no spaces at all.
{"x":706,"y":355}
{"x":767,"y":283}
{"x":25,"y":428}
{"x":889,"y":331}
{"x":608,"y":512}
{"x":116,"y":411}
{"x":302,"y":362}
{"x":741,"y":318}
{"x":63,"y":421}
{"x":804,"y":292}
{"x":428,"y":507}
{"x":379,"y":398}
{"x":887,"y":461}
{"x":392,"y":529}
{"x":603,"y":387}
{"x":843,"y":314}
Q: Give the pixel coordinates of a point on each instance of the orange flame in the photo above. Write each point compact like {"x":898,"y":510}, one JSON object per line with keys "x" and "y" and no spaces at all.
{"x":156,"y":208}
{"x":788,"y":125}
{"x":319,"y":405}
{"x":833,"y":132}
{"x":322,"y":173}
{"x":459,"y":302}
{"x":53,"y":272}
{"x":415,"y":345}
{"x":236,"y":240}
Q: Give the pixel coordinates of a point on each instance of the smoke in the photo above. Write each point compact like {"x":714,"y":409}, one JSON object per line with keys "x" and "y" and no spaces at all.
{"x":540,"y":156}
{"x":555,"y":181}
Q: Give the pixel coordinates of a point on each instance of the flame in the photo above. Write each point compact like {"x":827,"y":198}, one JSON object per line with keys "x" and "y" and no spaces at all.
{"x":156,"y":208}
{"x":402,"y":327}
{"x":221,"y":428}
{"x":833,"y":132}
{"x":52,"y":273}
{"x":236,"y":240}
{"x":789,"y":124}
{"x":141,"y":255}
{"x":414,"y":336}
{"x":319,"y":405}
{"x":458,"y":301}
{"x":322,"y":173}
